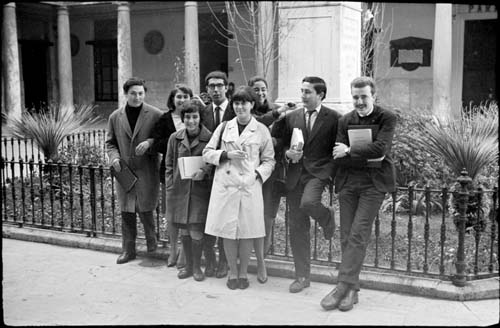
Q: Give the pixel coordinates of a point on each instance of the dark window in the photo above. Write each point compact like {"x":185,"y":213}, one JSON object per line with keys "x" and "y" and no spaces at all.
{"x":105,"y":71}
{"x":105,"y":60}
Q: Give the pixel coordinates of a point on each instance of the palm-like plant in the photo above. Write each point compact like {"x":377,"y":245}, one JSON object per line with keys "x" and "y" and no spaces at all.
{"x":468,"y":142}
{"x":49,"y":128}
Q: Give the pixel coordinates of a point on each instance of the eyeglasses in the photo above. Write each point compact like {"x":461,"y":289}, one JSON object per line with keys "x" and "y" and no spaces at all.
{"x":218,"y":86}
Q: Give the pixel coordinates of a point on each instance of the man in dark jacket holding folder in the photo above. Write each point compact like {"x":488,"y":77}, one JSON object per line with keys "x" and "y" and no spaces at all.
{"x":365,"y":172}
{"x":130,"y":148}
{"x":310,"y":170}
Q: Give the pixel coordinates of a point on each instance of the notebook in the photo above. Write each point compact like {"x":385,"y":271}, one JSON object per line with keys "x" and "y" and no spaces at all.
{"x":126,"y":177}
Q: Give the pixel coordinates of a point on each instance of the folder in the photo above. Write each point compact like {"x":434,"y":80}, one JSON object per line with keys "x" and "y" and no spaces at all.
{"x":126,"y":177}
{"x":188,"y":166}
{"x":362,"y":135}
{"x":297,"y":140}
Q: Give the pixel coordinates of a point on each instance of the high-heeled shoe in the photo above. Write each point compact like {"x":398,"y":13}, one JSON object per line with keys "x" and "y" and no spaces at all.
{"x":172,"y":260}
{"x":262,"y":281}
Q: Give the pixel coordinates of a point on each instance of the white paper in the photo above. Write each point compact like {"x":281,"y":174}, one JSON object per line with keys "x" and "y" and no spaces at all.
{"x":297,"y":141}
{"x":188,"y":166}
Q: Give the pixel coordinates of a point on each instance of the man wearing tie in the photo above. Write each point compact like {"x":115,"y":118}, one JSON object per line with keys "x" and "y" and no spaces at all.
{"x":310,"y":170}
{"x":218,"y":111}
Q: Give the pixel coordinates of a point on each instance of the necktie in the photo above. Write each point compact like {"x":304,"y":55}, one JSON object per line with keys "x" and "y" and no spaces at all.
{"x":217,"y":116}
{"x":310,"y":119}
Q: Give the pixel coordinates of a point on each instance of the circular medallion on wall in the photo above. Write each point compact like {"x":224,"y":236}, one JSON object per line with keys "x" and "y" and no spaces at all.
{"x":153,"y":42}
{"x":75,"y":44}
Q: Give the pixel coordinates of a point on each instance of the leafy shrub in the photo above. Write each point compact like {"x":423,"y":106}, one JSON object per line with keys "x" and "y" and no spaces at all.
{"x":49,"y":127}
{"x":82,"y":153}
{"x":414,"y":164}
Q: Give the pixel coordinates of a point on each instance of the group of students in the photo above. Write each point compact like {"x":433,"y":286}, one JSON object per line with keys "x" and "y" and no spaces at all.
{"x":245,"y":145}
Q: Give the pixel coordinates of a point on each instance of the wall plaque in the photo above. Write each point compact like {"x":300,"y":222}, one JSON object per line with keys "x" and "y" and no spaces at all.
{"x":153,"y":42}
{"x":410,"y":53}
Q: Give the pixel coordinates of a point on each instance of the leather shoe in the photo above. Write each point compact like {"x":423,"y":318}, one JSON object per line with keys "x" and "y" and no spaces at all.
{"x":332,"y":300}
{"x":299,"y":284}
{"x":222,"y":270}
{"x":329,"y":229}
{"x":232,"y":283}
{"x":243,"y":283}
{"x":349,"y":300}
{"x":125,"y":257}
{"x":185,"y":273}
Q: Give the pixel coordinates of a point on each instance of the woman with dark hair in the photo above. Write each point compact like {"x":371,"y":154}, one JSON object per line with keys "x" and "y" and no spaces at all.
{"x":187,"y":199}
{"x":270,"y":115}
{"x":169,"y":123}
{"x":244,"y":160}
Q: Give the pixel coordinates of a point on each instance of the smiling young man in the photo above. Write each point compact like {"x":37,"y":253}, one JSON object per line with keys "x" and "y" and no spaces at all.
{"x":309,"y":171}
{"x":365,"y":172}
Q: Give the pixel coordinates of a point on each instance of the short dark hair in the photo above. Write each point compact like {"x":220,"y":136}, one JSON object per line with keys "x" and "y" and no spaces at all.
{"x":216,"y":75}
{"x":244,"y":93}
{"x":363,"y":81}
{"x":134,"y":81}
{"x":256,"y":79}
{"x":192,"y":106}
{"x":318,"y":83}
{"x":178,"y":87}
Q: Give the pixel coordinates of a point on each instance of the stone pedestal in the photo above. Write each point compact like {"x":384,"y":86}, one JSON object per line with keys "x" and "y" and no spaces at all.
{"x":442,"y":60}
{"x":10,"y":62}
{"x":65,"y":70}
{"x":124,"y":50}
{"x":191,"y":46}
{"x":319,"y":38}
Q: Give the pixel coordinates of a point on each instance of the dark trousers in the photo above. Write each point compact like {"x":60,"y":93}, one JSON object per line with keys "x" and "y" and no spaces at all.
{"x":359,"y":204}
{"x":305,"y":201}
{"x":271,"y":204}
{"x":129,"y":229}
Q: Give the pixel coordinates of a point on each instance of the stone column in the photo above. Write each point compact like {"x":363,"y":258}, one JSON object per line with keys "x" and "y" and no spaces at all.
{"x":124,"y":49}
{"x":442,"y":60}
{"x":322,"y":38}
{"x":10,"y":61}
{"x":191,"y":46}
{"x":64,"y":57}
{"x":265,"y":45}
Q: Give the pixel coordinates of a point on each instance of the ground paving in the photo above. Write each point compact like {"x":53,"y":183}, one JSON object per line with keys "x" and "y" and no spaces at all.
{"x":45,"y":284}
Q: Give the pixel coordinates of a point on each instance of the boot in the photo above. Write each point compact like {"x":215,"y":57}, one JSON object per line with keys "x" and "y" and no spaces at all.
{"x":197,"y":248}
{"x":208,"y":250}
{"x":129,"y":233}
{"x":148,"y":223}
{"x":187,"y":271}
{"x":222,"y":268}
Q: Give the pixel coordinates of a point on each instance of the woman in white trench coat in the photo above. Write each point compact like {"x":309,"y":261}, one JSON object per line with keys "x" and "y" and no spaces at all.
{"x":244,"y":161}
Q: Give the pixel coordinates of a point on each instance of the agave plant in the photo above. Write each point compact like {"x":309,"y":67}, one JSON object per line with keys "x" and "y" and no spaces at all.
{"x":49,"y":127}
{"x":468,"y":142}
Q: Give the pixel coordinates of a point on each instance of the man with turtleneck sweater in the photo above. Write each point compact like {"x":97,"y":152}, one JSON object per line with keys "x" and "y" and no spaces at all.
{"x":129,"y":140}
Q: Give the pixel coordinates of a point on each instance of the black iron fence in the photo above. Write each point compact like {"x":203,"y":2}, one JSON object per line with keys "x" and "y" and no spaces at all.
{"x":437,"y":233}
{"x":425,"y":239}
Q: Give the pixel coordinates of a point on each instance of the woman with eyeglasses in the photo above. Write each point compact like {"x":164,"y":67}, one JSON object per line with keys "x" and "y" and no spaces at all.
{"x":169,"y":123}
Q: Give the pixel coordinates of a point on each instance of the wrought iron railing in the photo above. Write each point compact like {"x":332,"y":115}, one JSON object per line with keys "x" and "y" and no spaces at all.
{"x":415,"y":232}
